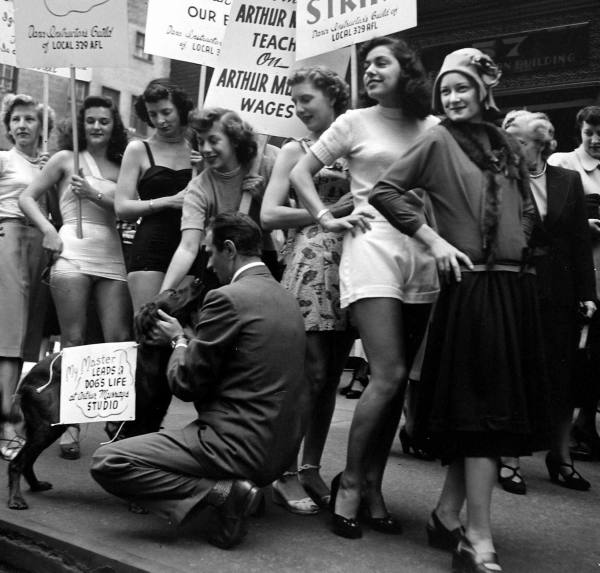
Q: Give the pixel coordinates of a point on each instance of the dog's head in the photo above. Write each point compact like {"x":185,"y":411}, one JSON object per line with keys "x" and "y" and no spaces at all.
{"x":178,"y":303}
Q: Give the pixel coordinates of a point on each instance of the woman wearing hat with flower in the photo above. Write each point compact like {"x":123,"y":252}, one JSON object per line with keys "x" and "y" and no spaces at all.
{"x":482,"y":390}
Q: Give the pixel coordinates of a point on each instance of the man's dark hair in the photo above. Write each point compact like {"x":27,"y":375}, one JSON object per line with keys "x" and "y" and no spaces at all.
{"x":238,"y":228}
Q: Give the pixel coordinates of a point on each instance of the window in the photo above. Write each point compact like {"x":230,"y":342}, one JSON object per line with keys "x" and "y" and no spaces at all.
{"x":140,"y":128}
{"x":82,"y":90}
{"x":114,"y":95}
{"x":140,"y":40}
{"x":8,"y":79}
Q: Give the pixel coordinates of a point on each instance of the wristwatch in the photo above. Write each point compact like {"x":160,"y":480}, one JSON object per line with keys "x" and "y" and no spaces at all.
{"x":179,"y":340}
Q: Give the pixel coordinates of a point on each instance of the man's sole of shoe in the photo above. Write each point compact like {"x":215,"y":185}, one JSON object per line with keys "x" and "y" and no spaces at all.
{"x":236,"y":527}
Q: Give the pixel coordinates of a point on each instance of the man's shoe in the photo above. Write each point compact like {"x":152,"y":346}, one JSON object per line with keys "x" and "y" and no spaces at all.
{"x":243,"y":499}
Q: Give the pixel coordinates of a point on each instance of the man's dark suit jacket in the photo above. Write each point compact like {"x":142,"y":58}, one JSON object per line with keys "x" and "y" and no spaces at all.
{"x":244,"y":371}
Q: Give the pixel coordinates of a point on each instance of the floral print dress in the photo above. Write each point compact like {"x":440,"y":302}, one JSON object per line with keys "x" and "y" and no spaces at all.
{"x":313,"y":258}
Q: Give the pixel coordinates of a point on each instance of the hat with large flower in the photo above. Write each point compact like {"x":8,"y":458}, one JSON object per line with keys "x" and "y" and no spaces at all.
{"x":477,"y":66}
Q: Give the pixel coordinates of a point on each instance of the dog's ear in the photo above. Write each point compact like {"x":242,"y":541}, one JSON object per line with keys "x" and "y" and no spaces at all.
{"x":143,"y":321}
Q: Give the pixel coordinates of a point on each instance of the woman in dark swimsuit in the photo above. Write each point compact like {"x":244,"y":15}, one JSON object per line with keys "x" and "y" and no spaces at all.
{"x":151,"y":185}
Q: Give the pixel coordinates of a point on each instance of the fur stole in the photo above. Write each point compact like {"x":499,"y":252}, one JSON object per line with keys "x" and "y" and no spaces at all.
{"x":498,"y":156}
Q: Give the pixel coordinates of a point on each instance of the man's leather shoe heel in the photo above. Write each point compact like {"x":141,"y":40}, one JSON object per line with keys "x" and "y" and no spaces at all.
{"x":243,"y":500}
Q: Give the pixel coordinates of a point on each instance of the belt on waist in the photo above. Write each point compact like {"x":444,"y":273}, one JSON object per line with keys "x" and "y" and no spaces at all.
{"x":500,"y":267}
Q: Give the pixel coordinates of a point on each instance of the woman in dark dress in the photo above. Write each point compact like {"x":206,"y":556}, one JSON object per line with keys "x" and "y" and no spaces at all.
{"x":151,"y":185}
{"x":482,"y":389}
{"x":566,"y":285}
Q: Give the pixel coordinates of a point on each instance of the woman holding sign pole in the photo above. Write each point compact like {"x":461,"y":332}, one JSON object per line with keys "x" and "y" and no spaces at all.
{"x":386,"y":279}
{"x":21,"y":255}
{"x":152,"y":184}
{"x":91,"y":266}
{"x":312,"y":275}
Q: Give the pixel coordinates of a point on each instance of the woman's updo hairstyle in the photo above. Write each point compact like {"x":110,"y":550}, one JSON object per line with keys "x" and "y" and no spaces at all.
{"x":327,"y":81}
{"x":536,"y":124}
{"x":239,"y":132}
{"x":163,"y":88}
{"x":414,"y":86}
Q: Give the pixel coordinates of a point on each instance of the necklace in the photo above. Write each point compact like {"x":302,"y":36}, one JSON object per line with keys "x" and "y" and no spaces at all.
{"x":536,"y":175}
{"x":29,"y":158}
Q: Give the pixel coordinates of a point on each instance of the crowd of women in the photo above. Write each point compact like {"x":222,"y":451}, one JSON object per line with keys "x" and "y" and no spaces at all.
{"x":457,"y":246}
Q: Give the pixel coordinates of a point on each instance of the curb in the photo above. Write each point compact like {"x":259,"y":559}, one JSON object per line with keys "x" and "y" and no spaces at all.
{"x":32,"y":548}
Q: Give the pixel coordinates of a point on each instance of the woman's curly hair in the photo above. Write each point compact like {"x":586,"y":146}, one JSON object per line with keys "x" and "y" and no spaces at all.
{"x":11,"y":101}
{"x":163,"y":88}
{"x":118,"y":138}
{"x":239,"y":132}
{"x":327,"y":81}
{"x":414,"y":86}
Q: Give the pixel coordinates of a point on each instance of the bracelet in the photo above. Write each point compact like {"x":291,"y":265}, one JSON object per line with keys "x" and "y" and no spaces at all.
{"x":151,"y":205}
{"x":322,"y":212}
{"x":181,"y":344}
{"x":179,"y":340}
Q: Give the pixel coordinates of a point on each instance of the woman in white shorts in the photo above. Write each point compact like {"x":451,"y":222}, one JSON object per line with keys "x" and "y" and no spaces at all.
{"x":386,"y":279}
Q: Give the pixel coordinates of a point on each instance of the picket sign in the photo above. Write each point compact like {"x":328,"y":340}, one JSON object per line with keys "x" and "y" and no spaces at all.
{"x":187,"y":31}
{"x":73,"y":33}
{"x":326,"y":25}
{"x":257,"y":56}
{"x":98,"y":383}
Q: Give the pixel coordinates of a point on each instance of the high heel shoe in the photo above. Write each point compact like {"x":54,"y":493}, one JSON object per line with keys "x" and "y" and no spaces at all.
{"x":513,"y":482}
{"x":440,"y":537}
{"x":388,"y":524}
{"x":585,"y":446}
{"x":571,"y":480}
{"x":303,"y":506}
{"x":466,"y":560}
{"x":340,"y":525}
{"x":321,"y":500}
{"x":410,"y":449}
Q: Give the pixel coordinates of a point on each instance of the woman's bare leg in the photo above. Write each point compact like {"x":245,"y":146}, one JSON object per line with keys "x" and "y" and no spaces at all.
{"x":113,"y":305}
{"x":380,"y":324}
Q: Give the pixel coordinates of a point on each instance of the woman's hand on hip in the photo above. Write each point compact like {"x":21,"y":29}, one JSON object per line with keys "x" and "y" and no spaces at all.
{"x":353,"y":222}
{"x":52,"y":243}
{"x":448,"y":259}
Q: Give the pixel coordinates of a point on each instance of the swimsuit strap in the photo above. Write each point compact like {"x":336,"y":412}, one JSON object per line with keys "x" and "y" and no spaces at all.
{"x":149,"y":152}
{"x":92,"y":166}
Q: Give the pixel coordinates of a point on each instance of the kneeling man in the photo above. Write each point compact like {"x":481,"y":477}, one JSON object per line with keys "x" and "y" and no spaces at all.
{"x":243,"y":369}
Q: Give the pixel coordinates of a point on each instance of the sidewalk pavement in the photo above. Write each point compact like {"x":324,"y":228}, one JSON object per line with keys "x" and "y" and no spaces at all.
{"x":77,"y":527}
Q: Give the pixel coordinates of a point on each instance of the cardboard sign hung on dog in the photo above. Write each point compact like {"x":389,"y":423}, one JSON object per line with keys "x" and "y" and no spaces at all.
{"x":98,"y":383}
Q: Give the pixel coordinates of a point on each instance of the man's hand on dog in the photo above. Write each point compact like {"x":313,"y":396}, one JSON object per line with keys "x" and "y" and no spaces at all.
{"x":166,"y":329}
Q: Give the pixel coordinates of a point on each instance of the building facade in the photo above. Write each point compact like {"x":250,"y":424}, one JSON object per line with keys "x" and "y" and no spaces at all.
{"x":549,"y":51}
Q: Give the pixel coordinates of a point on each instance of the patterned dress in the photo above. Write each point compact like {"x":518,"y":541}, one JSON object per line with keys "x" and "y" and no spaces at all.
{"x":313,"y":258}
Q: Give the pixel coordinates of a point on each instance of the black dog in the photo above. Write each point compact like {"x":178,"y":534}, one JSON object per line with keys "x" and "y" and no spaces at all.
{"x":41,"y":408}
